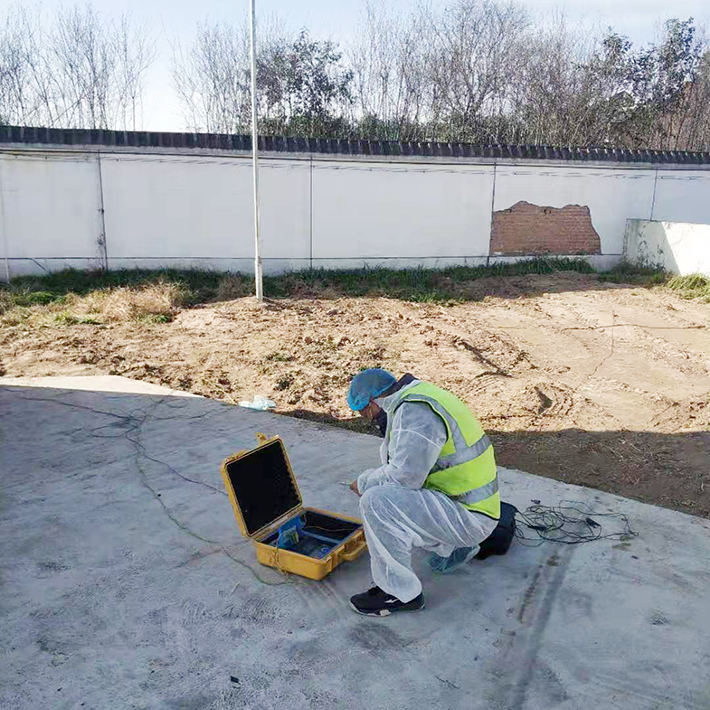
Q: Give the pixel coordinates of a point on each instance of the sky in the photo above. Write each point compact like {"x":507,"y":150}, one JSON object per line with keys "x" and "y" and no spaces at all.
{"x":640,"y":20}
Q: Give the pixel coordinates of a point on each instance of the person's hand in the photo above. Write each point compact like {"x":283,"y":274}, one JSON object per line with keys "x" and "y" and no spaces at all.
{"x":354,"y":488}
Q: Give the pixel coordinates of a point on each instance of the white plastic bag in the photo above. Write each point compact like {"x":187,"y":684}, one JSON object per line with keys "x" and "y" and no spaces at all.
{"x":259,"y":402}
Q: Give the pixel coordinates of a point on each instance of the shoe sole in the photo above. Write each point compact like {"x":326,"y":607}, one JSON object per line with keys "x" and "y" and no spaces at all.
{"x":383,"y":612}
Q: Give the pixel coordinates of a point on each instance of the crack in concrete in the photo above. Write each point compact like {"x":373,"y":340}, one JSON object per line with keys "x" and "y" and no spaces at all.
{"x":140,"y":451}
{"x":134,"y":424}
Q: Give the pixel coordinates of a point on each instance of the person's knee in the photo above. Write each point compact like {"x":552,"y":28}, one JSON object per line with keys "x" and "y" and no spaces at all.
{"x":372,"y":500}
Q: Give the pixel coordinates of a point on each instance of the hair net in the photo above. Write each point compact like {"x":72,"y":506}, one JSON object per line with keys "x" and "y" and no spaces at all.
{"x":367,"y":385}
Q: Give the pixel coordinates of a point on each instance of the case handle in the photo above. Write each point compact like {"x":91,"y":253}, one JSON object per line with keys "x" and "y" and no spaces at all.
{"x":355,"y":552}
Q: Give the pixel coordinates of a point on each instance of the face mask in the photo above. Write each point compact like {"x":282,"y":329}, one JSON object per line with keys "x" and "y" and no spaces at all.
{"x":381,"y":421}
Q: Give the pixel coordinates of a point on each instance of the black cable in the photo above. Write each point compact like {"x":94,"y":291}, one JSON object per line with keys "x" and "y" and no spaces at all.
{"x":331,"y":530}
{"x":570,"y":523}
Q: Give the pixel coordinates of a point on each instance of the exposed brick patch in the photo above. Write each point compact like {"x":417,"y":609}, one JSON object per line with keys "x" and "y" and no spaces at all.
{"x":531,"y":229}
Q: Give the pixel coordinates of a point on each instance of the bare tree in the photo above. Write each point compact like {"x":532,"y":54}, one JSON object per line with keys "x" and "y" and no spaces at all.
{"x":473,"y":59}
{"x":439,"y":73}
{"x":94,"y":69}
{"x":475,"y":70}
{"x":302,"y":86}
{"x":691,"y":123}
{"x":18,"y":47}
{"x":135,"y":52}
{"x":80,"y":71}
{"x":211,"y":78}
{"x":391,"y":87}
{"x":670,"y":83}
{"x":553,"y":97}
{"x":212,"y":75}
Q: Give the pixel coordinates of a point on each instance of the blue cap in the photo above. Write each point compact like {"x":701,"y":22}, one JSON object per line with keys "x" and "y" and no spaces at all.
{"x":367,"y":385}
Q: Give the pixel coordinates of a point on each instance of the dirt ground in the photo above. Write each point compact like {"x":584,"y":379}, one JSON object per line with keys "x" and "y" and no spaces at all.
{"x":593,"y":383}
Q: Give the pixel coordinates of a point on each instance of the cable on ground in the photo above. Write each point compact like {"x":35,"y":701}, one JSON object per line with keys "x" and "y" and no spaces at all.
{"x":570,"y":523}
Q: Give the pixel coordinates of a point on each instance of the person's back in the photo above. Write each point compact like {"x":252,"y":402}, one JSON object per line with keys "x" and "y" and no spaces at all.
{"x":437,"y":487}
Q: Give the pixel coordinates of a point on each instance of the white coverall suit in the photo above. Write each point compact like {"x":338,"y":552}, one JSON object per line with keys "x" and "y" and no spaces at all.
{"x":398,"y":513}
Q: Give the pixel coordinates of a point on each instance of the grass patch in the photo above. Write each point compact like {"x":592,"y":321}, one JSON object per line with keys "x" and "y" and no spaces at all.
{"x":156,"y":301}
{"x":6,"y":301}
{"x":68,"y":318}
{"x":278,"y":357}
{"x":153,"y":318}
{"x":692,"y":286}
{"x":626,"y":273}
{"x":190,"y":287}
{"x":418,"y":285}
{"x":34,"y":298}
{"x":233,"y":286}
{"x":14,"y":315}
{"x":80,"y":283}
{"x":73,"y":297}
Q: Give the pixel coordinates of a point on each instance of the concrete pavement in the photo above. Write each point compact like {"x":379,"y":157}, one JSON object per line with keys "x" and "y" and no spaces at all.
{"x":124,"y":581}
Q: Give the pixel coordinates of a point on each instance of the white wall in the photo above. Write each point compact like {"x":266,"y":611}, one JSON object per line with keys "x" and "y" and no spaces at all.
{"x":5,"y":266}
{"x":183,"y":210}
{"x":174,"y":208}
{"x":613,"y":195}
{"x":387,"y":212}
{"x":677,"y":247}
{"x":50,"y":211}
{"x":196,"y":209}
{"x":682,"y":196}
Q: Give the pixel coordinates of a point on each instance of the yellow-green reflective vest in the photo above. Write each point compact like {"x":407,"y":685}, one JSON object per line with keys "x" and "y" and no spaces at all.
{"x":466,"y":468}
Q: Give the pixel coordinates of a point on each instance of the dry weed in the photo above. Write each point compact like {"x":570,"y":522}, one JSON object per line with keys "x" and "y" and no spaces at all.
{"x":162,"y":300}
{"x":231,"y":287}
{"x":158,"y":302}
{"x":5,"y":301}
{"x":296,"y":287}
{"x":15,"y":316}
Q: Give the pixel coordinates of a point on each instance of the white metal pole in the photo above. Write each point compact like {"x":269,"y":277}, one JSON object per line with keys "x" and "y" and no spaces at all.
{"x":258,"y":270}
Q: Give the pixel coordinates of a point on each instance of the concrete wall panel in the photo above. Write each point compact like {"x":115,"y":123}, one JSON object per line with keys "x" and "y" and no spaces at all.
{"x":50,"y":207}
{"x":682,"y":196}
{"x":165,"y":207}
{"x":370,"y":212}
{"x":680,"y":248}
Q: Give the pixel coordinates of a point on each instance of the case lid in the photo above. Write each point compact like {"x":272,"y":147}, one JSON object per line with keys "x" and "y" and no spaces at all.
{"x":261,"y":485}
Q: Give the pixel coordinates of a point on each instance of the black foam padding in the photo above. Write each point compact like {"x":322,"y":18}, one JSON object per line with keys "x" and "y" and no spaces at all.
{"x":263,"y":486}
{"x":332,"y":527}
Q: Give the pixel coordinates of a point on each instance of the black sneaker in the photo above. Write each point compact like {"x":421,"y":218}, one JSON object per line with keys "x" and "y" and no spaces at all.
{"x":375,"y":602}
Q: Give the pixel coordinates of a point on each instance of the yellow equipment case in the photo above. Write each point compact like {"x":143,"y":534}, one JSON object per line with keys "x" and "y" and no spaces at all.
{"x":269,"y":509}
